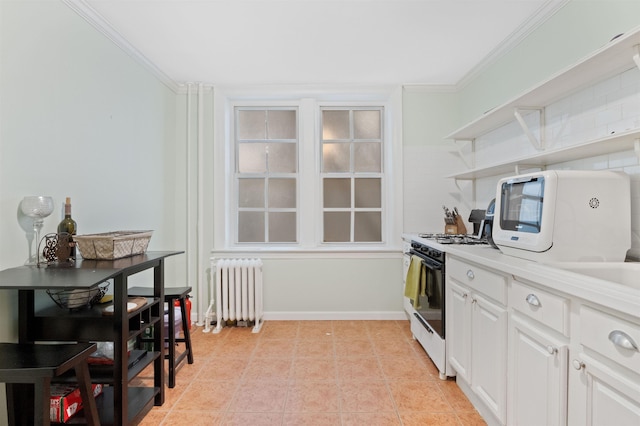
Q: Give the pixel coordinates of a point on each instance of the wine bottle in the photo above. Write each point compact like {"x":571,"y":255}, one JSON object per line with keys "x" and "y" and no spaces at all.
{"x":69,"y":226}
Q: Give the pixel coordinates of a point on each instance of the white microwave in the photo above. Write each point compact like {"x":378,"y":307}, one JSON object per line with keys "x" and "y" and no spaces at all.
{"x":564,"y":215}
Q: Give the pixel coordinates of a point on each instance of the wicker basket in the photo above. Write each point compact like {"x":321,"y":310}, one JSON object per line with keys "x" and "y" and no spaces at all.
{"x":113,"y":245}
{"x":76,"y":298}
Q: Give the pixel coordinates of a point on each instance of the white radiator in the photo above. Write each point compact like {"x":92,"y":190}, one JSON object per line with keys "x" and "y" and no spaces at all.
{"x":238,"y":292}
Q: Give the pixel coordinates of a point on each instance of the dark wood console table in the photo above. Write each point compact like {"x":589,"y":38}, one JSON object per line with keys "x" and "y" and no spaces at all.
{"x":120,"y":404}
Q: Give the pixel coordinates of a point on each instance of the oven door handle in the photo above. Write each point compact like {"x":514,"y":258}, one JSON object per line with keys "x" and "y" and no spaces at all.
{"x":432,"y":265}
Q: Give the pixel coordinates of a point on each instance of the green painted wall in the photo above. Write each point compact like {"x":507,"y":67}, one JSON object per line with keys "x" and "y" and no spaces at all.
{"x":574,"y":32}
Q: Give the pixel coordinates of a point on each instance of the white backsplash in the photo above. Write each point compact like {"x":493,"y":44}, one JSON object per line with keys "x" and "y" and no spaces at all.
{"x":426,"y":189}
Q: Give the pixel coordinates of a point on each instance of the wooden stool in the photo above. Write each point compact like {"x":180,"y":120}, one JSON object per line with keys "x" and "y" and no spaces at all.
{"x":36,"y":364}
{"x":171,"y":294}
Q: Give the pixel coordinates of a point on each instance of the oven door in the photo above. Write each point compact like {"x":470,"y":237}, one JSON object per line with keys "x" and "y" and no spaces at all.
{"x":431,"y":311}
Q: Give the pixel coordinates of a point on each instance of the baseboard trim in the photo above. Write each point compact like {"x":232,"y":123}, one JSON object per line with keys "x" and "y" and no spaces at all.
{"x":374,"y":315}
{"x":335,"y":316}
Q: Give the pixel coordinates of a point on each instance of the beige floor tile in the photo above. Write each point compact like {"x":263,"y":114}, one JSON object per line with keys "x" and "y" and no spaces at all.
{"x":268,"y":369}
{"x":470,"y":418}
{"x":319,"y":348}
{"x":370,"y":419}
{"x":358,"y":368}
{"x":307,"y":373}
{"x":221,"y":368}
{"x":312,"y":396}
{"x":365,"y":397}
{"x":311,"y":419}
{"x":193,"y":418}
{"x":404,"y":367}
{"x":259,"y":396}
{"x":275,"y":348}
{"x":359,"y":347}
{"x":214,"y":395}
{"x":252,"y":419}
{"x":419,"y":395}
{"x":455,"y":396}
{"x":429,"y":419}
{"x":314,"y":369}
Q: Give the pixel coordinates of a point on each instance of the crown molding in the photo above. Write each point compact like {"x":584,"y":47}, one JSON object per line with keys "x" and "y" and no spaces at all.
{"x":545,"y":12}
{"x":430,"y":88}
{"x":96,"y":20}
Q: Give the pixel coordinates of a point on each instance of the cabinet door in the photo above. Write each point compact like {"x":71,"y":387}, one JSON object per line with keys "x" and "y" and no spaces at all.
{"x":489,"y":354}
{"x":458,"y":322}
{"x":537,"y":376}
{"x":605,"y":396}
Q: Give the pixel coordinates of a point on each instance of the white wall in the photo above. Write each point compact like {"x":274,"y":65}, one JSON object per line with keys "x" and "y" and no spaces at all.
{"x":575,"y":31}
{"x":82,"y":119}
{"x":429,"y":113}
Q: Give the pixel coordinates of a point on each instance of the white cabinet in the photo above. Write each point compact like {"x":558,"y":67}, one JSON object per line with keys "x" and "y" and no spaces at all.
{"x":604,"y":383}
{"x":489,"y":353}
{"x":538,"y":356}
{"x":458,"y":329}
{"x":477,"y":332}
{"x":537,"y":376}
{"x":601,"y":395}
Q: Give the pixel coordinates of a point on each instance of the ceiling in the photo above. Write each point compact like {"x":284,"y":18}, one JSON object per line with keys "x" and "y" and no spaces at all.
{"x":317,"y":42}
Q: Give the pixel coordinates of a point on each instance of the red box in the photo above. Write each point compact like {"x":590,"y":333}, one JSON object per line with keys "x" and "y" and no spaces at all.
{"x":66,"y":401}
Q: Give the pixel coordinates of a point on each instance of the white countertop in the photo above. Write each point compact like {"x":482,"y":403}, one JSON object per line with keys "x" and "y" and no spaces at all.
{"x":606,"y":293}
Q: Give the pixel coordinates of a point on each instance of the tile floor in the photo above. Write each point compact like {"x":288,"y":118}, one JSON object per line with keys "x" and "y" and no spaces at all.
{"x":312,"y":373}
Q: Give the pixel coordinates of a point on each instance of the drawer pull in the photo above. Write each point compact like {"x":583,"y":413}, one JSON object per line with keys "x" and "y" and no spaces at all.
{"x":470,"y":274}
{"x":622,"y":339}
{"x":552,"y":350}
{"x":533,"y":300}
{"x":577,"y":364}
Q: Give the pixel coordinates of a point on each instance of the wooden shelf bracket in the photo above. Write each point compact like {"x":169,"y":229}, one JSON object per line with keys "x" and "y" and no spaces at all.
{"x":537,"y":144}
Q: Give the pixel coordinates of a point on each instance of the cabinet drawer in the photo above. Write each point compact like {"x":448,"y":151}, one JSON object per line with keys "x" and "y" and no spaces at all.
{"x":611,"y":337}
{"x":485,"y":281}
{"x":547,"y":308}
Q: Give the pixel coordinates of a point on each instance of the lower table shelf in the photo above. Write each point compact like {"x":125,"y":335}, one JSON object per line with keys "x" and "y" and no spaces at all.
{"x":140,"y":403}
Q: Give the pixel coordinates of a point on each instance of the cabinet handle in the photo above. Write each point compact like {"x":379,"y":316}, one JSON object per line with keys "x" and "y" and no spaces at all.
{"x":465,"y":295}
{"x":470,"y":274}
{"x":577,"y":364}
{"x":474,"y":300}
{"x":552,"y":350}
{"x":622,"y":339}
{"x":533,"y":300}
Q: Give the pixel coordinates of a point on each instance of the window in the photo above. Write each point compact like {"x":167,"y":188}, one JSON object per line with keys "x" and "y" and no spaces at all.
{"x":352,"y":179}
{"x":307,"y":170}
{"x":266,"y":175}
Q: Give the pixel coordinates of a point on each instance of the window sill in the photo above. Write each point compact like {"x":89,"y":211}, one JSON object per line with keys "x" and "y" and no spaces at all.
{"x":310,"y":253}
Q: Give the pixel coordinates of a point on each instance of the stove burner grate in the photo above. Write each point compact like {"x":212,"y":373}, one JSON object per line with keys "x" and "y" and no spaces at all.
{"x":454,"y":238}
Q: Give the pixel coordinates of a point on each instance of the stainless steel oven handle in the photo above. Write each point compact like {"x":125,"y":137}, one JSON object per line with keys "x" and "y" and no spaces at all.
{"x":431,"y":264}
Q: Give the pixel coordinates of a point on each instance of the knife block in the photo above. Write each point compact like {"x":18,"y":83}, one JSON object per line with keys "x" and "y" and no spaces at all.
{"x":450,"y":229}
{"x":461,"y":228}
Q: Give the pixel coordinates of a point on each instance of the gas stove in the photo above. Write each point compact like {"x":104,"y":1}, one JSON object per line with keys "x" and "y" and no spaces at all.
{"x":462,"y":239}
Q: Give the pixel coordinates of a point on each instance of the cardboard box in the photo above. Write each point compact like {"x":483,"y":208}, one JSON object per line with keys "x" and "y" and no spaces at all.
{"x":66,"y":401}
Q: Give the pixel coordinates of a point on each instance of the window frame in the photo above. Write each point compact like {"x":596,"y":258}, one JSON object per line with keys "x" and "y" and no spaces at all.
{"x":309,"y":102}
{"x":267,"y":175}
{"x":352,"y":174}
